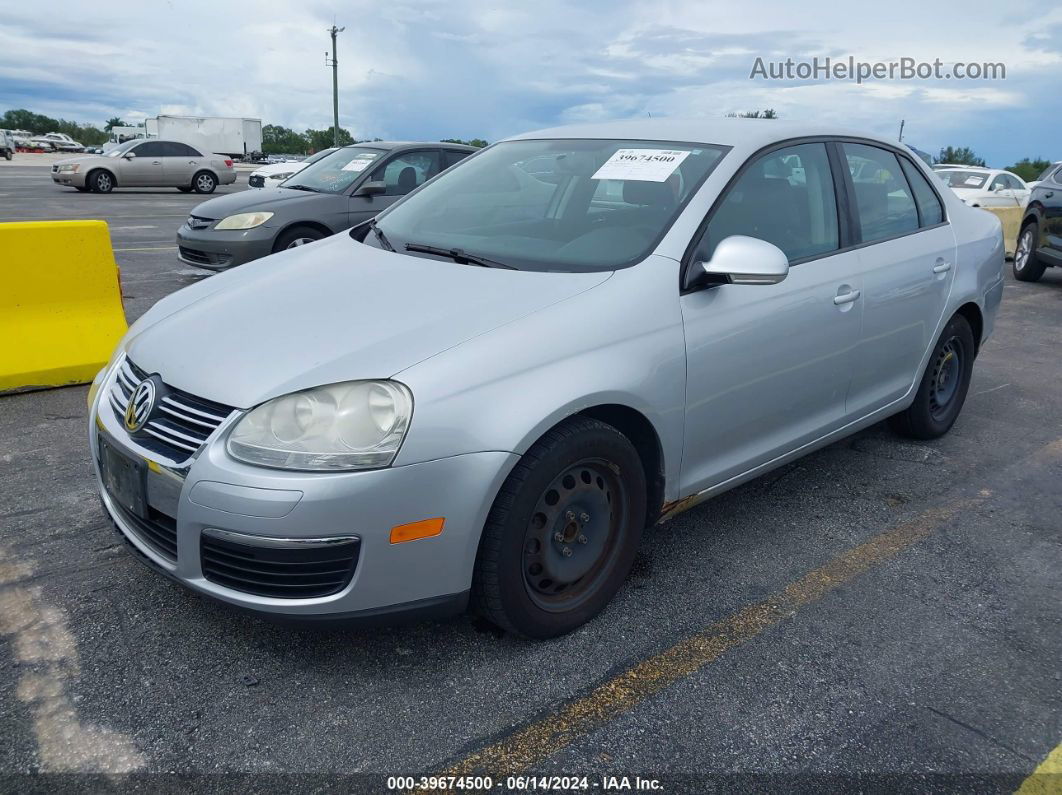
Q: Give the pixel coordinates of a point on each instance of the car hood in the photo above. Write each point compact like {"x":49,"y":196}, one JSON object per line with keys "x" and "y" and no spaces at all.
{"x":332,"y":311}
{"x":85,"y":159}
{"x":247,"y":200}
{"x":279,"y":168}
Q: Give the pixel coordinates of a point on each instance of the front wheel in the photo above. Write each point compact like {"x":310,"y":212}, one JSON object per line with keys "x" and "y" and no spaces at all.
{"x":297,"y":236}
{"x":204,"y":182}
{"x":7,"y":154}
{"x":100,"y":182}
{"x":562,"y":534}
{"x":942,"y":392}
{"x":1027,"y":268}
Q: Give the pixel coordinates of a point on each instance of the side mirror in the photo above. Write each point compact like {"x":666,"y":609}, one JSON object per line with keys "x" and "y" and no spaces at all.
{"x":129,"y":155}
{"x":746,"y":260}
{"x":371,"y":188}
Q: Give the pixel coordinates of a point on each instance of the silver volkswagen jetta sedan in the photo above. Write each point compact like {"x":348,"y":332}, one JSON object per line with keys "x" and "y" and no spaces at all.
{"x":488,"y":392}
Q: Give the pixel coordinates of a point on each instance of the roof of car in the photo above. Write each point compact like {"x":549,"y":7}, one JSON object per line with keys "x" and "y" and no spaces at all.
{"x":405,"y":144}
{"x":744,"y":134}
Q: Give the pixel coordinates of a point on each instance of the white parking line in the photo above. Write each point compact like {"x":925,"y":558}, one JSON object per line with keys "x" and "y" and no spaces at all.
{"x":41,"y":640}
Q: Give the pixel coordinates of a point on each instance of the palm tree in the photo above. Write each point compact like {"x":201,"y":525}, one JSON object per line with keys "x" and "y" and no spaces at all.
{"x":114,"y":121}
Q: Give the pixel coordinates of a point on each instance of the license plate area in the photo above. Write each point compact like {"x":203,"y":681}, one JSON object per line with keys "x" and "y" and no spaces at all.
{"x":124,"y":479}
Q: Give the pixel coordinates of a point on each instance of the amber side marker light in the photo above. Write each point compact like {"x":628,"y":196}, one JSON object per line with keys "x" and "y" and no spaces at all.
{"x":425,"y":528}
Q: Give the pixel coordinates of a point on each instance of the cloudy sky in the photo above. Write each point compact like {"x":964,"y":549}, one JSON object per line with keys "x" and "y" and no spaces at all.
{"x":490,"y":68}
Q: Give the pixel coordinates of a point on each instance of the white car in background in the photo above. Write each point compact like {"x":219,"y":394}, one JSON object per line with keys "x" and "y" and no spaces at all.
{"x":272,"y":175}
{"x":986,"y":187}
{"x":63,"y":142}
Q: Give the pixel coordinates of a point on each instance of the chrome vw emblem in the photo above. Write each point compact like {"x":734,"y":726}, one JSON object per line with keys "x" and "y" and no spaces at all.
{"x":141,"y":402}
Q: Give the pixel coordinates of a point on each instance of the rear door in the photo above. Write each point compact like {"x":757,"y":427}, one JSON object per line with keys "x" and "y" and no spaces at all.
{"x":908,"y":262}
{"x":145,"y":169}
{"x":180,"y":163}
{"x":400,"y":173}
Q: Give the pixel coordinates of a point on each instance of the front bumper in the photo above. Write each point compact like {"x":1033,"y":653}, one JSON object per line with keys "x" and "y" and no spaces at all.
{"x":73,"y":179}
{"x":211,"y":490}
{"x":218,"y":250}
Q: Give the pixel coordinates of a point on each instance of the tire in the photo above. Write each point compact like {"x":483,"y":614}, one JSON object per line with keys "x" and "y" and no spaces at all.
{"x":204,"y":182}
{"x":185,"y":188}
{"x":8,"y":154}
{"x":944,"y":385}
{"x":1026,"y":267}
{"x":562,"y":534}
{"x":100,"y":181}
{"x":298,"y":236}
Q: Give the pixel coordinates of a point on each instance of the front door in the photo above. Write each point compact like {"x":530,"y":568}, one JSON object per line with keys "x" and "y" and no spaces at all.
{"x":768,"y":367}
{"x":908,"y":265}
{"x":145,"y":168}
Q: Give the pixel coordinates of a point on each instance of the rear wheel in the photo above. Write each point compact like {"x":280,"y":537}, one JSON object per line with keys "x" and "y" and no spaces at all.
{"x":942,"y":392}
{"x":204,"y":182}
{"x":1027,"y":268}
{"x":298,"y":236}
{"x":100,"y":181}
{"x":563,"y":531}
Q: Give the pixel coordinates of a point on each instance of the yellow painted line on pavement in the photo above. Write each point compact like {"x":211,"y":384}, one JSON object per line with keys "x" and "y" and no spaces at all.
{"x":1047,"y":778}
{"x":537,"y":741}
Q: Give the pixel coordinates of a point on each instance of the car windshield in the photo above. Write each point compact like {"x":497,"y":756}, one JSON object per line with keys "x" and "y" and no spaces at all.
{"x":1046,"y":172}
{"x":957,"y":178}
{"x":336,"y":172}
{"x":319,"y":156}
{"x":121,"y":149}
{"x":554,"y":205}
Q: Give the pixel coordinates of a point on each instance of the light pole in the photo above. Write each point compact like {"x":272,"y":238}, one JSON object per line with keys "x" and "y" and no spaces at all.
{"x":334,"y":63}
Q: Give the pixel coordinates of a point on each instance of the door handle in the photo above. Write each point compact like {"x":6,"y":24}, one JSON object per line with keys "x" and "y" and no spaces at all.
{"x":1049,"y":194}
{"x":942,"y":267}
{"x":846,"y":298}
{"x":156,"y":162}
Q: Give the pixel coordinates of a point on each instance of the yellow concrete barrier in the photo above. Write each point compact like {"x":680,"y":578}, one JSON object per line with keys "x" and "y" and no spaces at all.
{"x":1011,"y":220}
{"x":61,"y":309}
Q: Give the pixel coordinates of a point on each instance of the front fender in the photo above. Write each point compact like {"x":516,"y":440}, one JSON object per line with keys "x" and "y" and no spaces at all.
{"x":618,"y":343}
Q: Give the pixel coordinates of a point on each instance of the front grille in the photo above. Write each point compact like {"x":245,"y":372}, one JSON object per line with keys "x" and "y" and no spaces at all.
{"x":178,"y":425}
{"x":290,"y":572}
{"x":204,"y":257}
{"x":158,"y":531}
{"x":199,"y":222}
{"x":256,"y":181}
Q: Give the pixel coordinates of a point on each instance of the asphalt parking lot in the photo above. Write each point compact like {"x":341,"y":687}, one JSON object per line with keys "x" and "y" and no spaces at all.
{"x":881,"y":608}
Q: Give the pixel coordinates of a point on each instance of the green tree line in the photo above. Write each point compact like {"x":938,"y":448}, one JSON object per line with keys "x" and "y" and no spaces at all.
{"x":275,"y":138}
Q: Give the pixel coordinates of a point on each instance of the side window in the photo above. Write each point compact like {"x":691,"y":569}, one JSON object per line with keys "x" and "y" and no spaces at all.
{"x":884,"y":205}
{"x":785,"y":197}
{"x":450,"y":157}
{"x":150,"y":149}
{"x":407,"y":171}
{"x":930,"y":211}
{"x":1013,"y":183}
{"x":998,"y":183}
{"x":184,"y":150}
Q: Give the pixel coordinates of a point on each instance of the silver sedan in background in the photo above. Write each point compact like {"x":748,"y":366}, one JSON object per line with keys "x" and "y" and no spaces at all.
{"x":489,"y":391}
{"x":146,"y":164}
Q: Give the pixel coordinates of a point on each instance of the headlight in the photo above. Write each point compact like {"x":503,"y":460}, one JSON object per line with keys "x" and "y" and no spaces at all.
{"x":285,"y":175}
{"x":352,"y":425}
{"x":243,"y":221}
{"x":70,"y":168}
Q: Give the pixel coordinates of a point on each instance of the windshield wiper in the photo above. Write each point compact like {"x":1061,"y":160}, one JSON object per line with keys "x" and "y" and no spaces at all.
{"x":459,"y":256}
{"x":380,"y":235}
{"x":302,"y":187}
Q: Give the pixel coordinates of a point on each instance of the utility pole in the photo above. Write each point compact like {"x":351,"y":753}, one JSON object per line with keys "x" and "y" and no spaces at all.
{"x":334,"y":63}
{"x":901,"y":129}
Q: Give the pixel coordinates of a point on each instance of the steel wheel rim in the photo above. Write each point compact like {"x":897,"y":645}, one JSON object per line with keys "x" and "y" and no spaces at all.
{"x":300,"y":241}
{"x":945,"y":378}
{"x":573,"y":535}
{"x":1021,"y":256}
{"x":204,"y":182}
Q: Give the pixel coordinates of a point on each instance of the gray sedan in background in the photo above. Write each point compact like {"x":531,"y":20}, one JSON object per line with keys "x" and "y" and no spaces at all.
{"x":349,"y":186}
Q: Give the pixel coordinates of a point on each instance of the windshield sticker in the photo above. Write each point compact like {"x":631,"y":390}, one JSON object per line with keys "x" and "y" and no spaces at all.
{"x":647,"y":165}
{"x":359,"y":163}
{"x":973,"y":180}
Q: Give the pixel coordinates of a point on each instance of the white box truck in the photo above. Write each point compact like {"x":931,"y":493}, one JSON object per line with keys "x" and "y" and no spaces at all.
{"x":235,"y":137}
